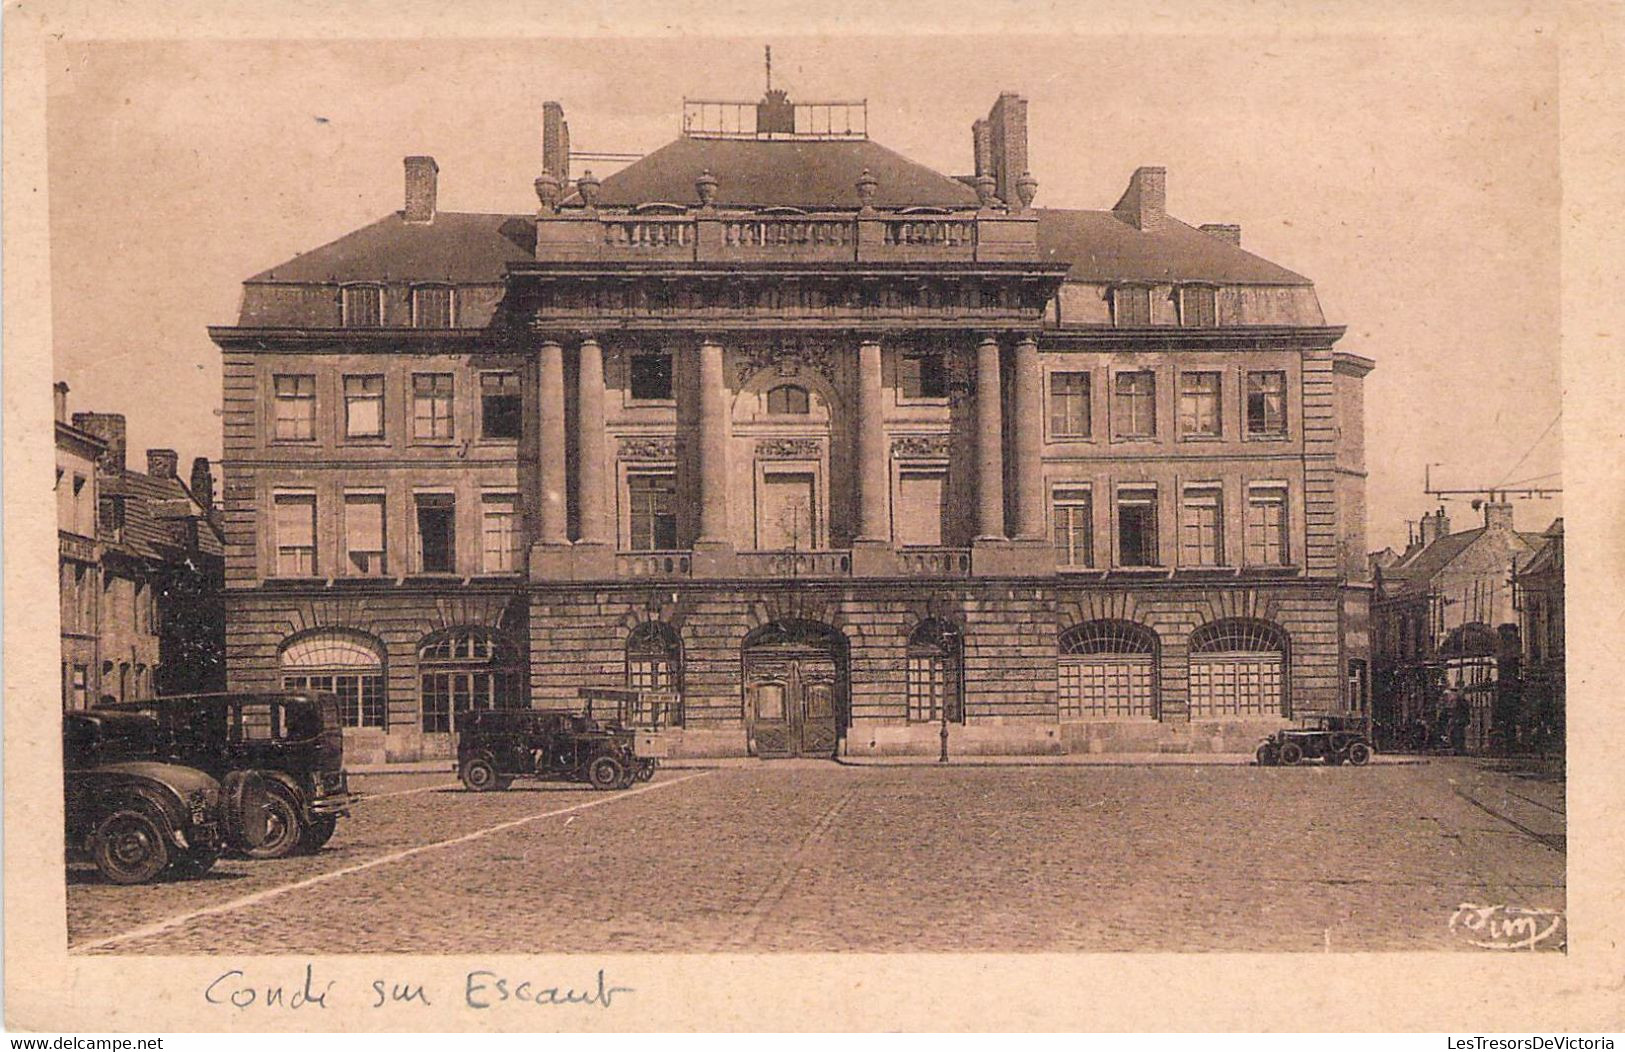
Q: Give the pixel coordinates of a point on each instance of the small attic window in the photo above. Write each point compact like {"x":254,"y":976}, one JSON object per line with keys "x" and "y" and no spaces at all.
{"x":1131,"y":306}
{"x":1197,"y":306}
{"x":361,"y":306}
{"x":432,"y":307}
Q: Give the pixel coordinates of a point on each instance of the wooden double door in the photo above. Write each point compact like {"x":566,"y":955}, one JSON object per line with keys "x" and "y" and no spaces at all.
{"x":792,"y":701}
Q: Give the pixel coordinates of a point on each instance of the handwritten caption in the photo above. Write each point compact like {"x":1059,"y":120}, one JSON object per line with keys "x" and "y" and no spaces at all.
{"x":1508,"y":927}
{"x":480,"y":989}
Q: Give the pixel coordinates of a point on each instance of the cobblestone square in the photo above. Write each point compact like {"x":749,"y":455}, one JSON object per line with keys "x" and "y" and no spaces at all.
{"x":803,"y":857}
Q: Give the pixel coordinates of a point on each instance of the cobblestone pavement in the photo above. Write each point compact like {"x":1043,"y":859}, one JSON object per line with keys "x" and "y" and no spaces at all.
{"x":828,"y":858}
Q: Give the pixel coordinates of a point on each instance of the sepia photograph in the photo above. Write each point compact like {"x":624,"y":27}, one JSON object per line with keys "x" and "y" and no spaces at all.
{"x":1034,"y":492}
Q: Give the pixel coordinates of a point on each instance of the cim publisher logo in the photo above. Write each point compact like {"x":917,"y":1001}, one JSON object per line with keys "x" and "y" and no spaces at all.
{"x":1509,"y":927}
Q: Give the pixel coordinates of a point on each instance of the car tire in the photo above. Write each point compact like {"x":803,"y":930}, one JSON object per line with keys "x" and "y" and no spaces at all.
{"x":318,"y":833}
{"x":1266,"y":756}
{"x":284,"y":827}
{"x":189,"y":865}
{"x":246,"y":816}
{"x":1359,"y":754}
{"x":646,"y":770}
{"x":1290,"y":753}
{"x":129,"y":847}
{"x":606,"y":772}
{"x":479,"y":775}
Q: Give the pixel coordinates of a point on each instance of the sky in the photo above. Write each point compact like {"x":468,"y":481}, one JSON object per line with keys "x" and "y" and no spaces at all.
{"x":1413,"y":176}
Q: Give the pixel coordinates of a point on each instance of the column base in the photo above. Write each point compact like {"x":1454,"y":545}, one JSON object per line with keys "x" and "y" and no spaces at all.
{"x":998,"y":557}
{"x":873,"y":559}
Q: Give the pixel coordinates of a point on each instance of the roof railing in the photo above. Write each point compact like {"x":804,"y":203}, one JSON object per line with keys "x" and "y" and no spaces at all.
{"x":734,"y":119}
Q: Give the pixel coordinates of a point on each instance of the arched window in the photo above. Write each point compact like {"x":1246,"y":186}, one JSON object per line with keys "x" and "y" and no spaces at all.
{"x":339,"y":661}
{"x":464,"y":669}
{"x":1238,"y":668}
{"x":934,"y":681}
{"x":787,"y":399}
{"x":654,"y":658}
{"x":1108,"y":671}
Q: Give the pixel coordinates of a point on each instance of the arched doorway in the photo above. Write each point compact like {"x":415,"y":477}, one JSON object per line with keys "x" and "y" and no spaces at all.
{"x":795,"y":681}
{"x":463,"y":669}
{"x":935,"y":681}
{"x":1108,"y":671}
{"x":343,"y":662}
{"x":1238,"y":668}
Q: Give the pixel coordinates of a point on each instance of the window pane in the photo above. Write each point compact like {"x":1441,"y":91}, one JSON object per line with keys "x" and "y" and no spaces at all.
{"x":1199,"y":404}
{"x":431,"y":307}
{"x":295,"y":407}
{"x":1201,"y":540}
{"x":1069,"y":405}
{"x":1196,"y":306}
{"x":787,"y":399}
{"x":296,"y":535}
{"x":1266,"y":403}
{"x":501,"y":537}
{"x":651,"y":375}
{"x":1137,"y":527}
{"x":922,"y":376}
{"x":500,"y":405}
{"x":652,"y":500}
{"x":1267,"y":527}
{"x":432,"y":405}
{"x":363,"y":306}
{"x":1134,"y":405}
{"x":1074,"y":527}
{"x":1132,"y":306}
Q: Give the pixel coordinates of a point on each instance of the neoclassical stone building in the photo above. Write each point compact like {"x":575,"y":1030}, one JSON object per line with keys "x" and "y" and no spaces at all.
{"x":827,"y":443}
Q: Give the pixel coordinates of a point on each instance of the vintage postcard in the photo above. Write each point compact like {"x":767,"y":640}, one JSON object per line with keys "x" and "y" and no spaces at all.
{"x":849,"y":523}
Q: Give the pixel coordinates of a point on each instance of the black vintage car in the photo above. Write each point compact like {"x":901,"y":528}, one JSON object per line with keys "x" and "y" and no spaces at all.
{"x":295,"y":741}
{"x":495,"y":746}
{"x":1334,"y":739}
{"x":135,"y":815}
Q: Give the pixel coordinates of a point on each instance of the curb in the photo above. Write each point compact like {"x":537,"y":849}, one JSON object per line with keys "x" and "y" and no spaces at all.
{"x":1031,"y":762}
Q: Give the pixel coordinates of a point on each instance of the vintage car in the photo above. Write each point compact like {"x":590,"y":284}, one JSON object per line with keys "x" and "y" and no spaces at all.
{"x":1334,"y":739}
{"x":135,"y":815}
{"x":495,"y":746}
{"x":295,"y":741}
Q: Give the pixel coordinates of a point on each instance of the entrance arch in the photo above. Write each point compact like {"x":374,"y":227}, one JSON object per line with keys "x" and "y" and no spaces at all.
{"x":795,"y":687}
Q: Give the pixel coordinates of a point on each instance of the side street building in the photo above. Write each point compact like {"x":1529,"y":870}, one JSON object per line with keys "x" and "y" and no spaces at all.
{"x":1538,"y":593}
{"x":141,"y":567}
{"x":832,"y":446}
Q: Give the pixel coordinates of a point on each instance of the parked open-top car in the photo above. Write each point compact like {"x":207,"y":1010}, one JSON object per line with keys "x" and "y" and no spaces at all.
{"x":1334,"y":739}
{"x":495,"y":746}
{"x":295,"y":741}
{"x":135,"y":815}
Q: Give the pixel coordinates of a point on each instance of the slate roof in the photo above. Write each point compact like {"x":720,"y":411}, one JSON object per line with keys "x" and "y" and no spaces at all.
{"x":1413,"y":575}
{"x":155,"y":514}
{"x":459,"y":247}
{"x":1102,"y":246}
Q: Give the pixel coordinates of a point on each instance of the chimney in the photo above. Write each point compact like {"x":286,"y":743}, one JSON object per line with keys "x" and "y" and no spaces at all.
{"x":422,"y":181}
{"x":555,"y":142}
{"x":109,"y":427}
{"x":1433,"y":527}
{"x":203,"y":483}
{"x":1497,"y":515}
{"x":1007,"y":144}
{"x":161,"y":463}
{"x":59,"y":398}
{"x":981,"y":135}
{"x":1145,"y":202}
{"x":1224,"y":232}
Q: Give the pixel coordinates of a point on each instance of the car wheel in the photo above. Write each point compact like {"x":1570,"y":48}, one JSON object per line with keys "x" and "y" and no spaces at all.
{"x":191,"y":864}
{"x":1359,"y":754}
{"x":479,"y":775}
{"x":318,"y":833}
{"x":246,"y":799}
{"x":283,"y":828}
{"x":1267,"y":755}
{"x":646,"y":770}
{"x":606,"y":772}
{"x":1290,"y":753}
{"x":129,"y":847}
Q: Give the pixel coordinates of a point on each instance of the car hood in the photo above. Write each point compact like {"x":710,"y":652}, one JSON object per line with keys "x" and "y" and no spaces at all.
{"x":184,"y":779}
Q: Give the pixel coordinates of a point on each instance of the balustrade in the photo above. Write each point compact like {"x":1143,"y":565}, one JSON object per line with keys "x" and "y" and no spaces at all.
{"x":795,"y":564}
{"x":653,"y":564}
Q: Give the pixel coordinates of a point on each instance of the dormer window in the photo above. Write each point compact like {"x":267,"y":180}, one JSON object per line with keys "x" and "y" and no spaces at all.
{"x":787,"y":399}
{"x":362,"y":306}
{"x":1197,"y":308}
{"x":433,"y":307}
{"x":1131,"y":306}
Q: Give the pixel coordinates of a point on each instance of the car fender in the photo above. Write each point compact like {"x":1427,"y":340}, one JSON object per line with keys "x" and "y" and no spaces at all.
{"x":153,"y":798}
{"x":288,"y":782}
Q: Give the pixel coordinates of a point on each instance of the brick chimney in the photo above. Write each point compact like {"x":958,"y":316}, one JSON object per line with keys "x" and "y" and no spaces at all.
{"x":1432,"y":528}
{"x":1006,"y":137}
{"x":161,"y":463}
{"x":203,"y":483}
{"x":1145,"y":203}
{"x":422,"y":189}
{"x":109,"y":427}
{"x":1497,"y":515}
{"x":555,"y":142}
{"x":59,"y":399}
{"x":1224,"y":232}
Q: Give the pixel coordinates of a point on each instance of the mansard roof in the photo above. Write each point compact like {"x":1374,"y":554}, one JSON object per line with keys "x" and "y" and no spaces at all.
{"x":1104,"y":246}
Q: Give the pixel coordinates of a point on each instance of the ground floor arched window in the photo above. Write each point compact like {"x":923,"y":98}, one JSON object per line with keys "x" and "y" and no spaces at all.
{"x":342,"y":662}
{"x":654,"y":658}
{"x":1238,"y":668}
{"x":1108,"y":671}
{"x":934,"y":681}
{"x":462,"y":670}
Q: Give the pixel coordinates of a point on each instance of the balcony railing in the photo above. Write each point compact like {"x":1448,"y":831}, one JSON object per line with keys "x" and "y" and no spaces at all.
{"x":653,"y":564}
{"x":934,"y":562}
{"x":795,"y":564}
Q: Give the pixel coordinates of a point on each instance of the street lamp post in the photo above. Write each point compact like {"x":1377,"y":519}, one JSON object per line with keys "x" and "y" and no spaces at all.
{"x":950,"y":640}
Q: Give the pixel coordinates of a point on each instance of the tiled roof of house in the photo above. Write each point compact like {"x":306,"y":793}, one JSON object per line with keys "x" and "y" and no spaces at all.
{"x":156,"y":511}
{"x":1415,"y":573}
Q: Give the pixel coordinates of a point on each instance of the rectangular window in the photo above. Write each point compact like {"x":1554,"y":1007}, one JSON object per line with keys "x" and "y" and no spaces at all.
{"x":110,"y":514}
{"x":363,"y":307}
{"x":931,"y":689}
{"x":364,"y":406}
{"x":1137,"y":527}
{"x":432,"y":405}
{"x":1069,"y":405}
{"x":364,"y":532}
{"x":1131,"y":306}
{"x":295,"y":408}
{"x":1199,"y":404}
{"x":432,"y":307}
{"x":1267,"y":526}
{"x":1201,"y":535}
{"x":1072,"y":508}
{"x":295,"y":534}
{"x":1266,"y":403}
{"x":652,"y":498}
{"x":361,"y":695}
{"x":81,"y":686}
{"x":437,"y":532}
{"x":502,"y":542}
{"x":922,"y":497}
{"x":922,"y":376}
{"x":1134,"y":405}
{"x":1197,"y":306}
{"x":500,"y":406}
{"x":650,"y":378}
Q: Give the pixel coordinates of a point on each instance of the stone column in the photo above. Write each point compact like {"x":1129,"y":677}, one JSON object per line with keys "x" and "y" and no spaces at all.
{"x":989,"y":444}
{"x":714,"y":533}
{"x":1029,"y":442}
{"x":873,"y":521}
{"x":591,"y":500}
{"x":554,"y":525}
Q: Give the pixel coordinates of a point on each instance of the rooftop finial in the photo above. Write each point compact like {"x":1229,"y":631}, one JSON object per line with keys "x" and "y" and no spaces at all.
{"x":769,"y":49}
